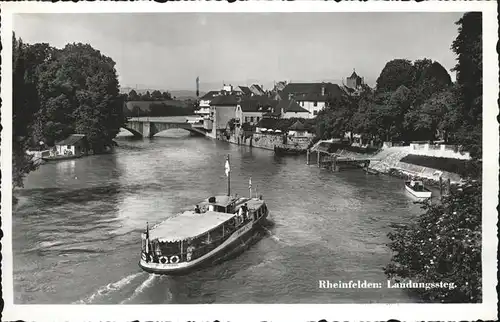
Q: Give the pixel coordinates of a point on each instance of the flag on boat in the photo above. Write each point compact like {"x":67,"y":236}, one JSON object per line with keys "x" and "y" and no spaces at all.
{"x":227,"y":167}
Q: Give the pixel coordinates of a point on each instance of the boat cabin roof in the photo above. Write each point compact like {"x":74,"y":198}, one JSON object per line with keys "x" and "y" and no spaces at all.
{"x":188,"y":224}
{"x":222,"y":201}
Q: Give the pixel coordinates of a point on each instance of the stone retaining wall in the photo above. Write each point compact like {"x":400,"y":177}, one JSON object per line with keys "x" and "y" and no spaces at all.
{"x":266,"y":141}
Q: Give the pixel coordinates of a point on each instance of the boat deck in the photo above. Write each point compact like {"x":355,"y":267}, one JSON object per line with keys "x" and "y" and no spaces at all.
{"x":188,"y":224}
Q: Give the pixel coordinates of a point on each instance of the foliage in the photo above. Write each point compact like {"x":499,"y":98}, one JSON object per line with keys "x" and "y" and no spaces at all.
{"x":156,"y":95}
{"x":430,"y":78}
{"x":397,"y":72}
{"x":165,"y":109}
{"x":25,"y":103}
{"x":443,"y":244}
{"x":469,"y":68}
{"x":335,"y":120}
{"x":436,"y":113}
{"x":231,"y":124}
{"x":77,"y":92}
{"x":133,"y":96}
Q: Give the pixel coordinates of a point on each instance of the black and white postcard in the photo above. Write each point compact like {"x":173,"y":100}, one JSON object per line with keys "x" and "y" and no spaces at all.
{"x":253,"y":161}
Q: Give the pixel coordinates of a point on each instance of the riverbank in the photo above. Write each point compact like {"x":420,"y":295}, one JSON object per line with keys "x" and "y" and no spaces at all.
{"x":389,"y":160}
{"x":266,"y":141}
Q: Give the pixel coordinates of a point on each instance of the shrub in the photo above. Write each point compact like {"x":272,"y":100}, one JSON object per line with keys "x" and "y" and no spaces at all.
{"x":443,"y":244}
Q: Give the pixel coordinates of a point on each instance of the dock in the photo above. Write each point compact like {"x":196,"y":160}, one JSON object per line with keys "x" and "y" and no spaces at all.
{"x":336,"y":161}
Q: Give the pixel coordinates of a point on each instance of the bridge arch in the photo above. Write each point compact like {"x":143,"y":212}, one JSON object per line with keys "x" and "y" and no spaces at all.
{"x":135,"y":133}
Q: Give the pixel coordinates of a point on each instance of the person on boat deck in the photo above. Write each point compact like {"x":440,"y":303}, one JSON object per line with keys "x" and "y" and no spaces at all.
{"x":245,"y":210}
{"x":241,"y":212}
{"x":197,"y":209}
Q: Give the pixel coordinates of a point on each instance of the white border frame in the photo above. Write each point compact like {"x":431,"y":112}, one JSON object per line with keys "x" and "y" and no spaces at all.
{"x":266,"y":312}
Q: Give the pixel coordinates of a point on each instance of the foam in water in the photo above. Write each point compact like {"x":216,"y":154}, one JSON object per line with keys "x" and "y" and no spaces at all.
{"x":273,"y":237}
{"x":116,"y":286}
{"x":147,"y":283}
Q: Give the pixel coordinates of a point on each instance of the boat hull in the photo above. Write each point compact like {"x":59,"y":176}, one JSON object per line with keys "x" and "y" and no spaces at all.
{"x":61,"y":158}
{"x":234,"y":245}
{"x":288,"y":151}
{"x":419,"y":194}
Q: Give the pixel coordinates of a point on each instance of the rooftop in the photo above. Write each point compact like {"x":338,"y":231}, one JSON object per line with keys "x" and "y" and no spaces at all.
{"x":258,"y":104}
{"x":245,"y":90}
{"x":72,"y":139}
{"x":286,"y":105}
{"x":210,"y":95}
{"x":188,"y":225}
{"x":311,"y":91}
{"x":297,"y":126}
{"x":225,"y":100}
{"x":257,"y":90}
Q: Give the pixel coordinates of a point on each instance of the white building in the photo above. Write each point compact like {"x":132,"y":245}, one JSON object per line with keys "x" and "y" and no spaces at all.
{"x":291,"y":109}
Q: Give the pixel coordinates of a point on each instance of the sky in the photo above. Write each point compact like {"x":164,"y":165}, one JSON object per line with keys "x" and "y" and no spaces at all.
{"x":169,"y":50}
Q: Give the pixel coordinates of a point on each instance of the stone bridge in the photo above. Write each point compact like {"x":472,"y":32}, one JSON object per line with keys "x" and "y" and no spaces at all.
{"x":149,"y":126}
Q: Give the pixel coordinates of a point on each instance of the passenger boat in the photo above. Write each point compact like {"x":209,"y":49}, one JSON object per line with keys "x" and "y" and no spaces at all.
{"x":213,"y":231}
{"x":417,"y":189}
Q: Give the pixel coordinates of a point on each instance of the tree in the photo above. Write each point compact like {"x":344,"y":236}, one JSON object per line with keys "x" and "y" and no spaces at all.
{"x":146,"y":96}
{"x":430,"y":78}
{"x":79,"y":93}
{"x":166,"y":96}
{"x":133,"y":96}
{"x":156,"y":95}
{"x":397,"y":72}
{"x":25,"y":103}
{"x":436,"y":114}
{"x":335,"y":120}
{"x":443,"y":244}
{"x":469,"y":69}
{"x":398,"y":105}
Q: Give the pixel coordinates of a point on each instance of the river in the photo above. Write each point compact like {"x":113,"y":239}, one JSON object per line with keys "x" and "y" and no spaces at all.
{"x":77,"y":227}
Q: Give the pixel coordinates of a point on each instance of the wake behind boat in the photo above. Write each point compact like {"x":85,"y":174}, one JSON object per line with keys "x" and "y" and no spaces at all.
{"x":217,"y":228}
{"x":417,"y":189}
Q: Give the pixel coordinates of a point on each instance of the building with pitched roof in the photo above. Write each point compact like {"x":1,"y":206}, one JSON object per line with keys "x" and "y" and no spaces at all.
{"x":257,"y":90}
{"x":252,"y":109}
{"x":205,"y":103}
{"x":75,"y":144}
{"x":311,"y":96}
{"x":291,"y":109}
{"x":298,"y":129}
{"x":243,"y":90}
{"x":223,"y":109}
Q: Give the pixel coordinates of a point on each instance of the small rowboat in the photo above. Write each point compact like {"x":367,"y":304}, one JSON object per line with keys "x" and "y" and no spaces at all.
{"x":417,"y":189}
{"x":61,"y":157}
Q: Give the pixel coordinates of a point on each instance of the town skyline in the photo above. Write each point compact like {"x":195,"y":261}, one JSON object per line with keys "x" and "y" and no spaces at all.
{"x":217,"y":47}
